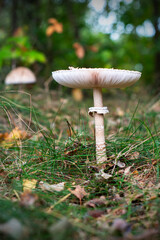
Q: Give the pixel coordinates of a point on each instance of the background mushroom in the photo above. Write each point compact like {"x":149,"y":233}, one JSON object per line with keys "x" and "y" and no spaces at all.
{"x":97,"y":78}
{"x":20,"y":75}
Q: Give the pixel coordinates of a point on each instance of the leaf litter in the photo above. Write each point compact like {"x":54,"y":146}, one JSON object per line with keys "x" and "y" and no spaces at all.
{"x":128,"y":199}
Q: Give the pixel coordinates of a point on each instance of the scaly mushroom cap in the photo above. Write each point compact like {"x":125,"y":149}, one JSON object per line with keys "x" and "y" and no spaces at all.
{"x":20,"y":75}
{"x":95,"y":78}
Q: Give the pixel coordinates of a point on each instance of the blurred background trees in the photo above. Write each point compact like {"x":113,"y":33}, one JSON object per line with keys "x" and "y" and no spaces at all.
{"x":47,"y":35}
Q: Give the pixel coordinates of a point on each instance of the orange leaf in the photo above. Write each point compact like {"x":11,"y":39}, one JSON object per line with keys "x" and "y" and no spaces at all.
{"x":58,"y":27}
{"x":15,"y":134}
{"x":50,"y":30}
{"x":13,"y":137}
{"x":52,"y":20}
{"x":3,"y":136}
{"x":93,"y":48}
{"x":54,"y":27}
{"x":80,"y":52}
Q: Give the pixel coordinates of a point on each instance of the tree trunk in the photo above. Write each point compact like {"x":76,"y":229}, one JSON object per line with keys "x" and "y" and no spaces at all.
{"x":156,"y":14}
{"x":14,"y":16}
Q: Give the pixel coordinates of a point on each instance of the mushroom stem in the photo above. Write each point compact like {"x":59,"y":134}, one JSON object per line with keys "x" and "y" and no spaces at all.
{"x":99,"y":127}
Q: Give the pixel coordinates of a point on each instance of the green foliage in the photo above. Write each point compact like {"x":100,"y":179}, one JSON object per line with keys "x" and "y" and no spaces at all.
{"x":20,"y":49}
{"x":130,"y":51}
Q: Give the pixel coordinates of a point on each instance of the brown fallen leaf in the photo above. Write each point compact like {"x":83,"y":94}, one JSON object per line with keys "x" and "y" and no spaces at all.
{"x":96,"y":202}
{"x":96,"y":213}
{"x":3,"y":136}
{"x":79,"y":192}
{"x":28,"y":198}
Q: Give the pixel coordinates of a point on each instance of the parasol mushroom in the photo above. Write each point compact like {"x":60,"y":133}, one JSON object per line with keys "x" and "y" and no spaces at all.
{"x":96,"y":79}
{"x":20,"y":75}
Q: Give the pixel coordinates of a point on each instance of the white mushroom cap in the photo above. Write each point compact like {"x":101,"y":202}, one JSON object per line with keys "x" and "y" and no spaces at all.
{"x":95,"y":78}
{"x":20,"y":75}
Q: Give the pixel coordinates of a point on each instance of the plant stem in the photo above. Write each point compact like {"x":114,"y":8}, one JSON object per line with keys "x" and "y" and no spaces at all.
{"x":99,"y":127}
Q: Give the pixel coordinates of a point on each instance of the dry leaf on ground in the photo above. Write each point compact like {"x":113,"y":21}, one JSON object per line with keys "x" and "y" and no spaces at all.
{"x":96,"y":213}
{"x":120,"y":164}
{"x":13,"y":137}
{"x":79,"y":192}
{"x":127,"y":170}
{"x":52,"y":187}
{"x":134,"y":155}
{"x":96,"y":202}
{"x":29,"y":184}
{"x":28,"y":198}
{"x":103,"y":174}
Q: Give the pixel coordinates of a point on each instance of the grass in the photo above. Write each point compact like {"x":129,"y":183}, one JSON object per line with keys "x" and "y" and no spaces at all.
{"x":59,"y":147}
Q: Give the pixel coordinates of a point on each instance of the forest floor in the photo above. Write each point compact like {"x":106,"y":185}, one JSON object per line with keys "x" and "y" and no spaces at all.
{"x":50,"y":184}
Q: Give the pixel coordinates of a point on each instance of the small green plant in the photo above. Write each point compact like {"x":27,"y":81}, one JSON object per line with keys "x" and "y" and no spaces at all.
{"x":20,"y":48}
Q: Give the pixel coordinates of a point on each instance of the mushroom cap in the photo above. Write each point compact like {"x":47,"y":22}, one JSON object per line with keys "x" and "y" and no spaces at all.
{"x":96,"y":78}
{"x":20,"y":75}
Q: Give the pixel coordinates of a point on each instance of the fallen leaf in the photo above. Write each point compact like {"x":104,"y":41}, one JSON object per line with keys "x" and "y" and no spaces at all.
{"x":15,"y":134}
{"x":120,"y":164}
{"x":103,"y":174}
{"x":79,"y":192}
{"x":13,"y":137}
{"x":134,"y":155}
{"x":96,"y":202}
{"x":29,"y":184}
{"x":119,"y":112}
{"x":120,"y":225}
{"x":96,"y":213}
{"x":118,"y":211}
{"x":3,"y":136}
{"x":77,"y":94}
{"x":52,"y":187}
{"x":127,"y":170}
{"x":28,"y":198}
{"x":13,"y":228}
{"x":79,"y":50}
